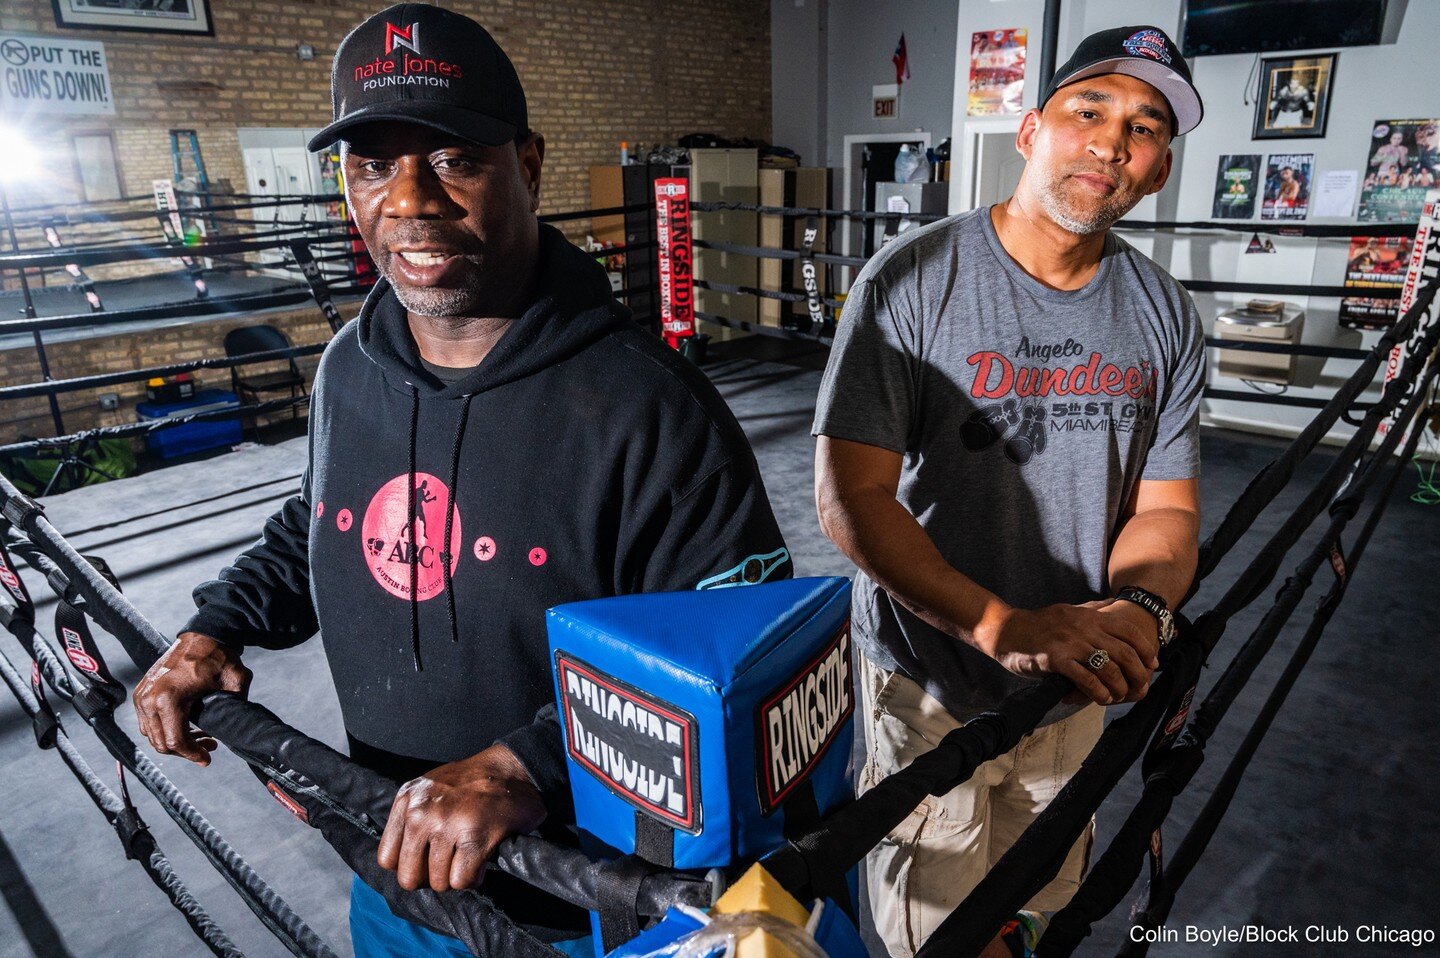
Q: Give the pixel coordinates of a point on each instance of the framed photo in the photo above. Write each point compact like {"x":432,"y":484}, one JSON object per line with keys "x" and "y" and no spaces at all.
{"x":1294,"y":96}
{"x":148,"y":16}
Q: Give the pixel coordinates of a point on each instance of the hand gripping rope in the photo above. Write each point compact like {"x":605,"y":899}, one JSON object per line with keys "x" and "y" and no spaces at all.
{"x":346,"y":802}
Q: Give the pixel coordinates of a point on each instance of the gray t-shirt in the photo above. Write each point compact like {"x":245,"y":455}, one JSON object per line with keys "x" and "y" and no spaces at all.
{"x":1025,"y":416}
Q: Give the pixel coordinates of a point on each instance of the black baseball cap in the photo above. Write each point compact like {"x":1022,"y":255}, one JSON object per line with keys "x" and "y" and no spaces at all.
{"x":420,"y":64}
{"x":1145,"y":53}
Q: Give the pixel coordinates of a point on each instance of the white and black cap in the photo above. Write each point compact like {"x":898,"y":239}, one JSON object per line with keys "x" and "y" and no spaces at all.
{"x":1143,"y":52}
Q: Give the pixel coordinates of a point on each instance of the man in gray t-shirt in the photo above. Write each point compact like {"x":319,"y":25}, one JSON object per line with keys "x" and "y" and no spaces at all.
{"x":1008,"y":449}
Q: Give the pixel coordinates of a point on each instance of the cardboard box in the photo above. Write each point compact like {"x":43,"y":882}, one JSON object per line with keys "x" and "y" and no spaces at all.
{"x":801,"y":187}
{"x":607,"y":189}
{"x":725,"y":176}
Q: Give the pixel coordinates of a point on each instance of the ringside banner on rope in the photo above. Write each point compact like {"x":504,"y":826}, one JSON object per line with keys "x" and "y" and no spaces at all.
{"x":676,"y":260}
{"x":1424,"y":267}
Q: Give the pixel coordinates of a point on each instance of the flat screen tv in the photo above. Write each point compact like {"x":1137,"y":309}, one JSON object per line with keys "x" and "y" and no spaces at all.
{"x":1264,"y":26}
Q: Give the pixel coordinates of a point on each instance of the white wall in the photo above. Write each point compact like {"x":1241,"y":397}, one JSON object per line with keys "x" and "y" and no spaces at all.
{"x":1371,"y":83}
{"x":799,"y":32}
{"x":827,"y":54}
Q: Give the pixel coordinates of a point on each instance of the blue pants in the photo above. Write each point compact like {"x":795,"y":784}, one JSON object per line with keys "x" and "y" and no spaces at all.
{"x":378,"y":933}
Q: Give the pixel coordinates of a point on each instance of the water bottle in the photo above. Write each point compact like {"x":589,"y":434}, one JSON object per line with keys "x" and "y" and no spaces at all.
{"x":905,"y":163}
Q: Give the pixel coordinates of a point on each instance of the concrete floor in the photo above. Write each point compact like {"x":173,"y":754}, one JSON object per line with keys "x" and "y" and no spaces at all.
{"x":1332,"y":825}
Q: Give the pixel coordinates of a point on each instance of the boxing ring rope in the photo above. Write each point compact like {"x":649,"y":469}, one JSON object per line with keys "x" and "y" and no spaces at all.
{"x":348,"y":804}
{"x":1167,"y":773}
{"x":223,"y":254}
{"x":348,"y":807}
{"x":134,"y":836}
{"x":137,"y":375}
{"x":830,"y":306}
{"x":1038,"y":853}
{"x":351,"y":808}
{"x":97,"y":710}
{"x":154,"y":425}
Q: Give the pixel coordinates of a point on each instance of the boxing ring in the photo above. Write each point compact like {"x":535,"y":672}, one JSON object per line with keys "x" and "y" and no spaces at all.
{"x":1167,"y":733}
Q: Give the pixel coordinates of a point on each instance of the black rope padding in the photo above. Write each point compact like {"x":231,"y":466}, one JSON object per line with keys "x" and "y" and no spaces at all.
{"x":1319,"y":230}
{"x":591,"y":214}
{"x":851,"y":831}
{"x":351,"y":805}
{"x":761,"y":293}
{"x":78,"y":574}
{"x":152,"y":425}
{"x":1343,"y":510}
{"x":1275,"y":399}
{"x":1285,"y":289}
{"x":1175,"y":766}
{"x":328,"y":783}
{"x":709,"y":207}
{"x":628,"y":291}
{"x":1286,"y":349}
{"x":1268,"y":483}
{"x":131,"y":250}
{"x":821,"y":336}
{"x":241,"y":303}
{"x":1282,"y":229}
{"x":139,"y":844}
{"x":204,"y":212}
{"x":187,"y":212}
{"x":1039,"y":852}
{"x":768,"y":252}
{"x":56,"y":386}
{"x":1041,"y":849}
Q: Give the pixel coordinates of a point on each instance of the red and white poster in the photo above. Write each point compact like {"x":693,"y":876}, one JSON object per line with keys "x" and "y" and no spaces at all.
{"x":997,"y":72}
{"x":1424,"y":268}
{"x":672,"y":226}
{"x":1374,"y":262}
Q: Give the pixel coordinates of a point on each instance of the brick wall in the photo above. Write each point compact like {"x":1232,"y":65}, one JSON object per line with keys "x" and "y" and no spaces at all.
{"x":595,"y":72}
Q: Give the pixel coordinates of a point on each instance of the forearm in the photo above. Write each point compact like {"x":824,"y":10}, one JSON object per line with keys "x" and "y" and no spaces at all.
{"x":538,"y":750}
{"x":1157,"y":550}
{"x":886,"y":542}
{"x":263,"y":597}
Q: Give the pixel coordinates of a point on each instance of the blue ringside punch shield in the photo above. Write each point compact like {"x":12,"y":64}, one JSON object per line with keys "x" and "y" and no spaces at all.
{"x":698,"y":724}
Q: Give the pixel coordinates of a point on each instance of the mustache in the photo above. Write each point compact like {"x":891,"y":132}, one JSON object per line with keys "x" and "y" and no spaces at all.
{"x":412,"y":238}
{"x":1106,"y":175}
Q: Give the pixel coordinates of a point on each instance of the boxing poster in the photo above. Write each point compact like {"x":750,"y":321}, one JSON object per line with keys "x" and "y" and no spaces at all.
{"x":1374,"y":263}
{"x":1423,"y":268}
{"x":672,"y":230}
{"x":1404,"y":162}
{"x":997,"y":72}
{"x":1287,"y":186}
{"x":1236,"y":182}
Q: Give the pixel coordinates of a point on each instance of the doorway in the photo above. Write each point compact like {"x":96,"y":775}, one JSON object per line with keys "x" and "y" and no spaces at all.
{"x":278,"y":164}
{"x":869,"y":159}
{"x":991,"y":166}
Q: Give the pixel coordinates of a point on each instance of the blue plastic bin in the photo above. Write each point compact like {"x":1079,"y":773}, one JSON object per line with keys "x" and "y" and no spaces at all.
{"x":193,"y":436}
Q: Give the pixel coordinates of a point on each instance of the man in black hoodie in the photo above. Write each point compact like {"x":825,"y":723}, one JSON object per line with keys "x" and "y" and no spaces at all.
{"x":492,"y":436}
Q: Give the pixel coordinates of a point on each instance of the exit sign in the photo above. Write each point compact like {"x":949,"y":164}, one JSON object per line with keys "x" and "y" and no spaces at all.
{"x":886,"y":100}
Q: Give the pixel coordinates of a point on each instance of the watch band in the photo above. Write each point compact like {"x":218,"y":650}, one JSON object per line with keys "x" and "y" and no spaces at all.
{"x":1153,"y":604}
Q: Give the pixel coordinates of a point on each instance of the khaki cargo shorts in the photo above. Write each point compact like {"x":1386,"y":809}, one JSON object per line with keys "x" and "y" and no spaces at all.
{"x":936,"y":856}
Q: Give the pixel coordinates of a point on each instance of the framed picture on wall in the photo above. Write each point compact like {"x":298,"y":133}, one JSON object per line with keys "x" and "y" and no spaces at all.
{"x":1294,"y":96}
{"x":148,"y":16}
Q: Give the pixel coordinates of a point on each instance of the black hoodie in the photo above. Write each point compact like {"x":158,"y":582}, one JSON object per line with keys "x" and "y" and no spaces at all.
{"x":583,"y":458}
